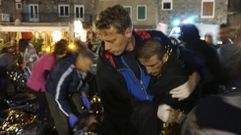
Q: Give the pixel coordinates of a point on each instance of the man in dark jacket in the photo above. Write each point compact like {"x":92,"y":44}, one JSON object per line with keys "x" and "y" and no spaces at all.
{"x":169,"y":69}
{"x":207,"y":56}
{"x":64,"y":87}
{"x":6,"y":63}
{"x":122,"y":82}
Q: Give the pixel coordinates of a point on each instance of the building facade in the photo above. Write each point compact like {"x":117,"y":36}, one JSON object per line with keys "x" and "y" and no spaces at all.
{"x":234,"y":13}
{"x":47,"y":10}
{"x":173,"y":12}
{"x":142,"y":12}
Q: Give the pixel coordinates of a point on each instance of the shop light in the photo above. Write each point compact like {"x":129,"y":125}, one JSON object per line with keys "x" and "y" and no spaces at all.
{"x":57,"y":35}
{"x":80,"y":32}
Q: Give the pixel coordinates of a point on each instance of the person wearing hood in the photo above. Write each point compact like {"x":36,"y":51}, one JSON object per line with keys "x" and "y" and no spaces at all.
{"x":206,"y":55}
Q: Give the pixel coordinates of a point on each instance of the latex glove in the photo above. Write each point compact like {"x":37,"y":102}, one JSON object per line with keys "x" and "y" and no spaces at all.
{"x":86,"y":102}
{"x":73,"y":120}
{"x":185,"y":90}
{"x":163,"y":112}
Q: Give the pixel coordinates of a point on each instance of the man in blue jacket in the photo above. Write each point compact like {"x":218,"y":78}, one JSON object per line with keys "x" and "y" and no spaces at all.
{"x":121,"y":80}
{"x":65,"y":85}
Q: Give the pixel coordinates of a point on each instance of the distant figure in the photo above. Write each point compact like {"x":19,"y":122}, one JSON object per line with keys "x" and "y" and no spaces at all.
{"x":209,"y":40}
{"x":29,"y":54}
{"x":230,"y":58}
{"x":207,"y":55}
{"x":223,"y":33}
{"x":6,"y":63}
{"x":40,"y":72}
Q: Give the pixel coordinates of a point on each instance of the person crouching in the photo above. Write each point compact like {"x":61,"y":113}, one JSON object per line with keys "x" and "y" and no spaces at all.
{"x":64,"y":87}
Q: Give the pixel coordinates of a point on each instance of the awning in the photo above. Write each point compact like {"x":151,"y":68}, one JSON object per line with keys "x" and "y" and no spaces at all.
{"x":34,"y":28}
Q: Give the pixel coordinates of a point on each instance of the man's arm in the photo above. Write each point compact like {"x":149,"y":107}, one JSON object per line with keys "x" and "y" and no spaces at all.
{"x":61,"y":95}
{"x":185,"y":90}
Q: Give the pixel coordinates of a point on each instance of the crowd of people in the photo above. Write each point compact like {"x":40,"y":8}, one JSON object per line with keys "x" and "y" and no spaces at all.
{"x":147,"y":84}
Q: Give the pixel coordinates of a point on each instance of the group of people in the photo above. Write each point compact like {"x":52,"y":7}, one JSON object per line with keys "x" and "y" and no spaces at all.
{"x":18,"y":57}
{"x":144,"y":80}
{"x":59,"y":79}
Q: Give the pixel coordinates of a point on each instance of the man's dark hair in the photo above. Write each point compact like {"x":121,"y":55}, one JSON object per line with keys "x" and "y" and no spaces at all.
{"x":115,"y":16}
{"x":221,"y":26}
{"x":23,"y":44}
{"x":150,"y":48}
{"x":208,"y":35}
{"x":60,"y":47}
{"x":86,"y":53}
{"x":189,"y":32}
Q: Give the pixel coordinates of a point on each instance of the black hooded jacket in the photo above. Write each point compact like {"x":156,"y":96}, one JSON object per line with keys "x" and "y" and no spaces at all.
{"x":207,"y":56}
{"x":119,"y":105}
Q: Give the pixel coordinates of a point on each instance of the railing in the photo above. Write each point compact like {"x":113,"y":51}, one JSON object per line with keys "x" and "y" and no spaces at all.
{"x":50,"y":18}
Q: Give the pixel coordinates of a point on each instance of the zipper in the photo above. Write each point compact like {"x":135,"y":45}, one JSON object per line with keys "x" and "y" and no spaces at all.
{"x":139,"y":81}
{"x":144,"y":89}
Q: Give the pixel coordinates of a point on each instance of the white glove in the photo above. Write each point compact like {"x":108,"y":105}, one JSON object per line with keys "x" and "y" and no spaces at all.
{"x":185,"y":90}
{"x":163,"y":112}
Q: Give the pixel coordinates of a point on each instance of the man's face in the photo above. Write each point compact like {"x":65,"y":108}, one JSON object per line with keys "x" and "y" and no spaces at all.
{"x":223,"y":34}
{"x":115,"y":42}
{"x":84,"y":64}
{"x":209,"y":39}
{"x":153,"y":65}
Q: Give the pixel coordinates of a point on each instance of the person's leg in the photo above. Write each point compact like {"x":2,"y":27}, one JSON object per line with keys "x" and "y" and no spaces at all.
{"x":43,"y":106}
{"x":145,"y":119}
{"x":76,"y":103}
{"x":60,"y":120}
{"x":3,"y":86}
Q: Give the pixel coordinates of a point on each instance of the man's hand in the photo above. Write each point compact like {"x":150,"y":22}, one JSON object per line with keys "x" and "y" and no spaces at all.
{"x":73,"y":120}
{"x":163,"y":112}
{"x":86,"y":102}
{"x":185,"y":90}
{"x":169,"y":115}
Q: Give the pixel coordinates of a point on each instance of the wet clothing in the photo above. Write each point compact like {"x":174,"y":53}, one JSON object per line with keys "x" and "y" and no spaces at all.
{"x":64,"y":80}
{"x":206,"y":55}
{"x":136,"y":86}
{"x":121,"y":116}
{"x":175,"y":72}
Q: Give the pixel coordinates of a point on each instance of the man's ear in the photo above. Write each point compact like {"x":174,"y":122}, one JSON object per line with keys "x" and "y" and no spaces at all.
{"x":128,"y":32}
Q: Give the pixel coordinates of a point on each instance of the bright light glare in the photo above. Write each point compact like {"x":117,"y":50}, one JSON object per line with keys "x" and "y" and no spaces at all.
{"x":80,"y":32}
{"x":72,"y":46}
{"x":57,"y":35}
{"x":176,"y":22}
